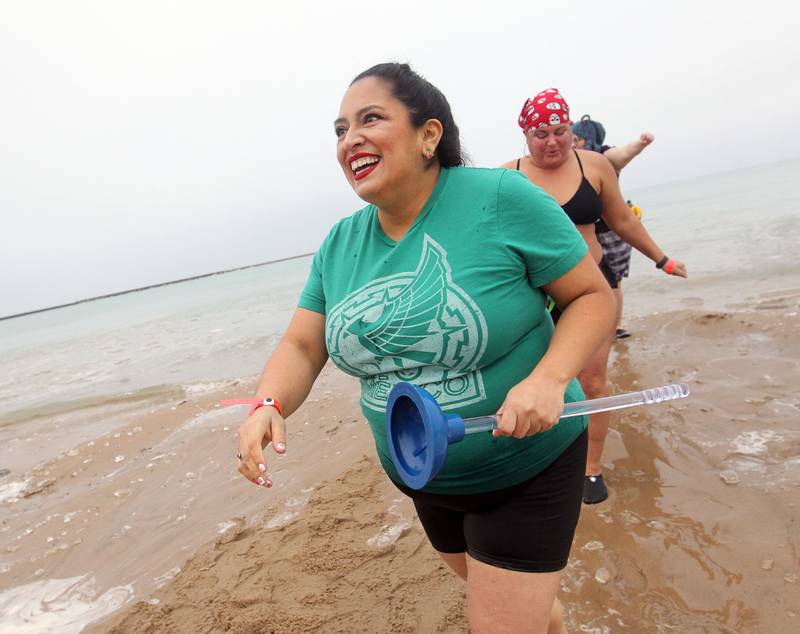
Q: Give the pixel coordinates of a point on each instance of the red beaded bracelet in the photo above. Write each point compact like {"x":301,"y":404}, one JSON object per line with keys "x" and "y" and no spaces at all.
{"x":256,"y":403}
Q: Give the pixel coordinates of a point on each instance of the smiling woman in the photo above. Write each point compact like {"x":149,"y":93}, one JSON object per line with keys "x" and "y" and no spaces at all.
{"x":441,"y":280}
{"x":377,"y":134}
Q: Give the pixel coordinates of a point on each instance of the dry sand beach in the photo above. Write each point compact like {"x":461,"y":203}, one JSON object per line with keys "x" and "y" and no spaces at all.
{"x":152,"y":525}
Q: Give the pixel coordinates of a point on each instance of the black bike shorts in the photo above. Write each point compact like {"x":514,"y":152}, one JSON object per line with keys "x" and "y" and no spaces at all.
{"x":527,"y":527}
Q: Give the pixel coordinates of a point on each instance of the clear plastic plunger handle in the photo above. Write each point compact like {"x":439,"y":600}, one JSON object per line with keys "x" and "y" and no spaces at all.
{"x":596,"y":405}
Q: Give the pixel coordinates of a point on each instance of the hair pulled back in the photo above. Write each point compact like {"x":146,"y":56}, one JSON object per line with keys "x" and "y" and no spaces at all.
{"x":424,"y":101}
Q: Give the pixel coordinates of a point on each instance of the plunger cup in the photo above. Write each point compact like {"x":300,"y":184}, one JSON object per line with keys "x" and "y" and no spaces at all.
{"x":419,"y":432}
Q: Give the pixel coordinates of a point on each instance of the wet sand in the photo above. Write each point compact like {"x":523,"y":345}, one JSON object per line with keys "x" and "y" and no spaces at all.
{"x":700,"y":533}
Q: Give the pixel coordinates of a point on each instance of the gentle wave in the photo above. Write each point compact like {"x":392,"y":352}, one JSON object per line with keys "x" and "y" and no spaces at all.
{"x":156,"y":392}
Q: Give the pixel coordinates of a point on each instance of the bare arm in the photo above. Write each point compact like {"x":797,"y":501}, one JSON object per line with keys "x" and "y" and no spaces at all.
{"x":618,"y":216}
{"x":288,"y":376}
{"x":622,"y":155}
{"x":297,"y":361}
{"x":587,"y":305}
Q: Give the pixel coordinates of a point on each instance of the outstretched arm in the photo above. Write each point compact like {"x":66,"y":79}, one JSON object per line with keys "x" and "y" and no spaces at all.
{"x":621,"y":156}
{"x":618,"y":216}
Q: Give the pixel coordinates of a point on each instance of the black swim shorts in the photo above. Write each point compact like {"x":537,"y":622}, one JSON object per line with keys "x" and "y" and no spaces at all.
{"x":527,"y":527}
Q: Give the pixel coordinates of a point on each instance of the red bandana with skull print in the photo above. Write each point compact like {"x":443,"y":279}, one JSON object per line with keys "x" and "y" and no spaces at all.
{"x":545,"y":109}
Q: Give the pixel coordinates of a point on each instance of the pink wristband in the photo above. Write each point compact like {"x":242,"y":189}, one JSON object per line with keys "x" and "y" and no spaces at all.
{"x":256,"y":403}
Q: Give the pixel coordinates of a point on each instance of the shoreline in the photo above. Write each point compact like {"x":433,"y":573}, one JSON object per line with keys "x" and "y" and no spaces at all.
{"x":690,"y":539}
{"x":696,"y":535}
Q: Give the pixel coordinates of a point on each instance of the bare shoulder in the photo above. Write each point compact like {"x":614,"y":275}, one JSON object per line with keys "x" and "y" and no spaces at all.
{"x":595,"y":162}
{"x":591,"y":158}
{"x":510,"y":165}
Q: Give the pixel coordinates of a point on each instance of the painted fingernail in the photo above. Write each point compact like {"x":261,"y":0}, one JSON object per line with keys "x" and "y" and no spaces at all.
{"x":262,"y":468}
{"x":269,"y":483}
{"x":280,"y":447}
{"x":260,"y":480}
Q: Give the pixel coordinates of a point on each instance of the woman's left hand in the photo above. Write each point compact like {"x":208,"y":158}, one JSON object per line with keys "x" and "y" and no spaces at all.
{"x":531,"y":407}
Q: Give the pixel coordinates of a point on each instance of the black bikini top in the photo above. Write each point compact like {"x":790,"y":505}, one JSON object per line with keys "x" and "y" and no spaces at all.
{"x":585,"y":206}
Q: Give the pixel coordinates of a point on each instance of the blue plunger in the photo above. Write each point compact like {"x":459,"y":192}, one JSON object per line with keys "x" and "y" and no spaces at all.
{"x":419,"y":431}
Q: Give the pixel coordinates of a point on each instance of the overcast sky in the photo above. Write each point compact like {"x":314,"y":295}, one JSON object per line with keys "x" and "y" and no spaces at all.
{"x":147,"y":141}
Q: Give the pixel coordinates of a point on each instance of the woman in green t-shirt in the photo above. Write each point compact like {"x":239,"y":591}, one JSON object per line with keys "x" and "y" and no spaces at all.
{"x":441,"y":280}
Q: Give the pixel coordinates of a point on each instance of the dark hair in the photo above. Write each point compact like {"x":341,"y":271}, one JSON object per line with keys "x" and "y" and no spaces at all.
{"x":424,"y":101}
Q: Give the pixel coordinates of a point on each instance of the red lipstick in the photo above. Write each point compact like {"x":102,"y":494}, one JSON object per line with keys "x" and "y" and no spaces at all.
{"x":364,"y":171}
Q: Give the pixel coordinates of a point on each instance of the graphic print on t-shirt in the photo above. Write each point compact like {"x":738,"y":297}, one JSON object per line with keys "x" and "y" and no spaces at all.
{"x":417,"y":326}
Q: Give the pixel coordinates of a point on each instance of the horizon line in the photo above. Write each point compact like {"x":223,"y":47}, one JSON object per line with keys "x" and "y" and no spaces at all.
{"x":157,"y":285}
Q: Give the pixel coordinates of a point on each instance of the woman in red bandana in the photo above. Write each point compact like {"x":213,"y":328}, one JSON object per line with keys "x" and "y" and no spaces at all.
{"x":585,"y":185}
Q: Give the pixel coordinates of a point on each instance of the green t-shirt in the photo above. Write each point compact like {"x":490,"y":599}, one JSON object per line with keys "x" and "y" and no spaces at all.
{"x":454,"y":307}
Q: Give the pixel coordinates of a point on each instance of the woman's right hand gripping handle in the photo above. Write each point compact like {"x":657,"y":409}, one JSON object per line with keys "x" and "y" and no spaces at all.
{"x":265,"y":426}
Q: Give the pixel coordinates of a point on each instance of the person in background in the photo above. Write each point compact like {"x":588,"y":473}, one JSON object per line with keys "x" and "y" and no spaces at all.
{"x":441,"y":280}
{"x":590,"y":135}
{"x":586,"y":186}
{"x":635,"y":209}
